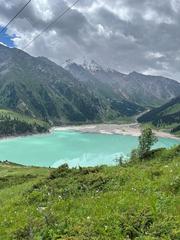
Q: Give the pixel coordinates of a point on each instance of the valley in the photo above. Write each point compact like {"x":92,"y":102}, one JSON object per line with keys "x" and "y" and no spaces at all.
{"x":87,"y":93}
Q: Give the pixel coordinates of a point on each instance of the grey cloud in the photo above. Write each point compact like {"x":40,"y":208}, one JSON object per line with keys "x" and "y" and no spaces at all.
{"x":141,"y":35}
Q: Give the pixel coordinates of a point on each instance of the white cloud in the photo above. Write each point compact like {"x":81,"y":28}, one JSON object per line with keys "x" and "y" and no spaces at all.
{"x":152,"y":15}
{"x":43,"y":10}
{"x":154,"y":55}
{"x":104,"y":32}
{"x":3,"y":44}
{"x":175,"y":5}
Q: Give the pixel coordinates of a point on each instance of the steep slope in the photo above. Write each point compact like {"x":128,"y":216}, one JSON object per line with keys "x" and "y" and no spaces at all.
{"x":167,"y":114}
{"x":41,"y":88}
{"x":143,"y":90}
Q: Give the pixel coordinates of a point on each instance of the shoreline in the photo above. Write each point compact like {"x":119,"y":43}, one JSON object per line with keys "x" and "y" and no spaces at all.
{"x":132,"y":129}
{"x":24,"y":135}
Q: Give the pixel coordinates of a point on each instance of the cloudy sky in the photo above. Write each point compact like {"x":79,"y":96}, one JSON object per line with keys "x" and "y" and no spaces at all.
{"x":128,"y":35}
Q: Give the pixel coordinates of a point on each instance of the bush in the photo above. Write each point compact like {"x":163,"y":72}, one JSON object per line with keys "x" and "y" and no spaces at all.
{"x":61,"y":171}
{"x":134,"y":155}
{"x":135,"y":223}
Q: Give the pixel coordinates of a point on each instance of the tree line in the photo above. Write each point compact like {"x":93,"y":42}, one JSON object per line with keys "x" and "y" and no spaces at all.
{"x":9,"y":126}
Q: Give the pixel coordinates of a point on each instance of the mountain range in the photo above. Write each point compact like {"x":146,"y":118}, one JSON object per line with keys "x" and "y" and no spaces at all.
{"x":38,"y":87}
{"x":144,"y":90}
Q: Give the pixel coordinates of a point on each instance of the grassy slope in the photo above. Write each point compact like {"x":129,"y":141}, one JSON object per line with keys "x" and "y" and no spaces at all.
{"x":139,"y":200}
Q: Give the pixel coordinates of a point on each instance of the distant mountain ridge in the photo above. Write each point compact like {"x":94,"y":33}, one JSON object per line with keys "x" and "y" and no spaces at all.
{"x":40,"y":88}
{"x":144,"y":90}
{"x":167,"y":114}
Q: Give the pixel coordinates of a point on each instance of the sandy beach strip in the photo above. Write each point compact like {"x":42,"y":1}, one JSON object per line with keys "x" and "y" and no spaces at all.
{"x":123,"y":129}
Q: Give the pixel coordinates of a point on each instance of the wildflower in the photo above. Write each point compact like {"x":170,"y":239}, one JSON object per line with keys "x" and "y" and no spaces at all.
{"x":40,"y":209}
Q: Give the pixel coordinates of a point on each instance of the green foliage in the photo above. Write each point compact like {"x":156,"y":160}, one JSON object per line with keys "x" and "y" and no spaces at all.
{"x":120,"y":160}
{"x":134,"y":223}
{"x":146,"y":141}
{"x":134,"y":155}
{"x":138,"y":201}
{"x":60,"y":172}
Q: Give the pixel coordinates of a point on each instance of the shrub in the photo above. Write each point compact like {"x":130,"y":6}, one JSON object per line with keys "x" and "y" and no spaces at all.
{"x":135,"y":223}
{"x":61,"y":171}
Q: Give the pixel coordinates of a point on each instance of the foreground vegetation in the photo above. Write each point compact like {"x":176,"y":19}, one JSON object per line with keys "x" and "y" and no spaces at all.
{"x":131,"y":201}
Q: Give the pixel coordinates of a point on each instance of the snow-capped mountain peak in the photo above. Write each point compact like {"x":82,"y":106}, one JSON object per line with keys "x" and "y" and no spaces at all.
{"x":92,"y":66}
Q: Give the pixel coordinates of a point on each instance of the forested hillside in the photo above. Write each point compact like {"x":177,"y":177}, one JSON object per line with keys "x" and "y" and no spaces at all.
{"x":166,"y":115}
{"x":12,"y":124}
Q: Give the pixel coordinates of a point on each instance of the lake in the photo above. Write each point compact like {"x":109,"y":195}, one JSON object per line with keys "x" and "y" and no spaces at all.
{"x":74,"y":148}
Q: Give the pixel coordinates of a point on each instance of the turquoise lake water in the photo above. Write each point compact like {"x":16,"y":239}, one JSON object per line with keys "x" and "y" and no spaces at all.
{"x":74,"y":148}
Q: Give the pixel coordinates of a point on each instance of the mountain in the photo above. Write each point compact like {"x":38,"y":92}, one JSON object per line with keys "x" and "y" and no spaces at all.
{"x":86,"y":73}
{"x":105,"y":91}
{"x":40,"y":88}
{"x":144,"y":90}
{"x":167,"y":114}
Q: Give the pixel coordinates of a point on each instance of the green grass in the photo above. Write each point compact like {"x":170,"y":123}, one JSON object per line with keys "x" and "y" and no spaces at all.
{"x":133,"y":201}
